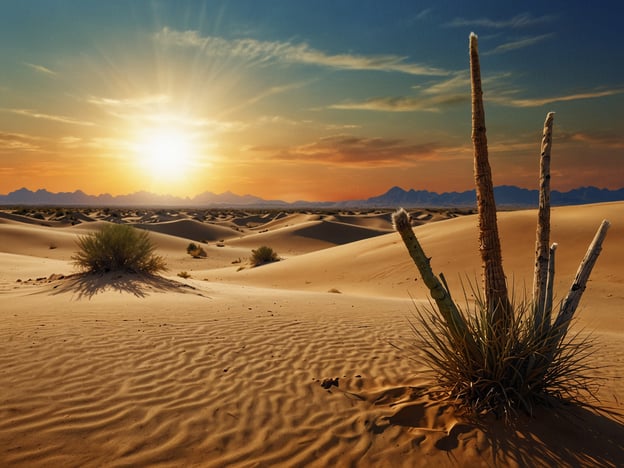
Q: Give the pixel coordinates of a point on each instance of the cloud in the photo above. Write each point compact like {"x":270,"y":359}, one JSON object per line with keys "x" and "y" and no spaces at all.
{"x":280,"y":121}
{"x":459,"y":82}
{"x":11,"y":142}
{"x":537,"y":102}
{"x":519,"y":44}
{"x":431,"y":97}
{"x":271,"y":91}
{"x":403,"y":103}
{"x":149,"y":110}
{"x":523,"y":20}
{"x":612,"y":141}
{"x":268,"y":52}
{"x":41,"y":69}
{"x":352,"y":150}
{"x":129,"y":103}
{"x":55,"y":118}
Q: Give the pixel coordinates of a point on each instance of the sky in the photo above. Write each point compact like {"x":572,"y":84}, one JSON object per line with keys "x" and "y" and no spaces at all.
{"x":304,"y":100}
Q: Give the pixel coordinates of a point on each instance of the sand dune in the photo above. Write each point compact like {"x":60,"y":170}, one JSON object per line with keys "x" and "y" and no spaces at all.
{"x":308,"y":236}
{"x":227,"y":368}
{"x":190,"y":229}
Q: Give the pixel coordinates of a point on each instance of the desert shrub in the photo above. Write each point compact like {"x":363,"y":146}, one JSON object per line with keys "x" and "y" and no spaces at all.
{"x":118,"y":247}
{"x":263,"y":255}
{"x":195,"y":251}
{"x":184,"y":274}
{"x":503,"y":373}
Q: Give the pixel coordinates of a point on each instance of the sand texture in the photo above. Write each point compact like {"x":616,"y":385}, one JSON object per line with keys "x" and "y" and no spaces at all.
{"x":294,"y":363}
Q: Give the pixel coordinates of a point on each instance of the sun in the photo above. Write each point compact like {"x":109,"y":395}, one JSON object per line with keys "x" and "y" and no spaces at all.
{"x":165,"y":153}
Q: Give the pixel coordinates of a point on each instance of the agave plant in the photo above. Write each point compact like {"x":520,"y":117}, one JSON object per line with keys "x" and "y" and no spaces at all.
{"x":499,"y":353}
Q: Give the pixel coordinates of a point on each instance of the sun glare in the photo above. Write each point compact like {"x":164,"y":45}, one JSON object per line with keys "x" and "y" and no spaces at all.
{"x":165,"y":153}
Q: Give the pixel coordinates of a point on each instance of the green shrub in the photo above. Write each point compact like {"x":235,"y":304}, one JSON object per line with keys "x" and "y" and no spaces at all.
{"x":118,"y":247}
{"x":263,"y":255}
{"x":195,"y":251}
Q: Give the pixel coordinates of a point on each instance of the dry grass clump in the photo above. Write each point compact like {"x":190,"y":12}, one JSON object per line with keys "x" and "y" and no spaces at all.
{"x":195,"y":251}
{"x":504,"y":373}
{"x":118,"y":247}
{"x":263,"y":255}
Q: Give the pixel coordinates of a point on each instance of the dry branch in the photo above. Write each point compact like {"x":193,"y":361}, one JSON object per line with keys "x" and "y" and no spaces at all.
{"x":571,"y":302}
{"x":550,"y":281}
{"x":496,"y":295}
{"x":543,"y":226}
{"x":438,"y":291}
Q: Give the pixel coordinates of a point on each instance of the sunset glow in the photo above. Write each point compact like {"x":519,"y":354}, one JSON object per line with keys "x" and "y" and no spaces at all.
{"x":165,"y":154}
{"x":302,"y":100}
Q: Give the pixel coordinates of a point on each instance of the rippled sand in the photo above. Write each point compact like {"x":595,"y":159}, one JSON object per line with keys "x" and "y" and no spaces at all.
{"x":265,"y":366}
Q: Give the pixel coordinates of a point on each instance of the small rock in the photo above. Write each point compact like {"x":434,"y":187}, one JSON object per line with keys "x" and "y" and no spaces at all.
{"x":328,"y":383}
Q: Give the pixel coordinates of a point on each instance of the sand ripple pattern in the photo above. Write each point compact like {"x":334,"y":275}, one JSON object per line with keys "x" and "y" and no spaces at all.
{"x":228,"y":382}
{"x":214,"y":389}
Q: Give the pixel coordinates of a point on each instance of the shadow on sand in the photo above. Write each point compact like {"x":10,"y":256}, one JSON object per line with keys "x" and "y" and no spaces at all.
{"x":568,"y":435}
{"x":87,"y":285}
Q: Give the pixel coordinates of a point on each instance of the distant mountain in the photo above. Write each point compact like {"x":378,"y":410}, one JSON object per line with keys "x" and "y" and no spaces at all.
{"x":24,"y":196}
{"x":506,"y":196}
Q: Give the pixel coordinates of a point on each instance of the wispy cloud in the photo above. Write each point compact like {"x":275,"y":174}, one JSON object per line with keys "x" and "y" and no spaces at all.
{"x":41,"y":69}
{"x":267,"y":52}
{"x":518,"y":44}
{"x":265,"y":93}
{"x":604,"y":140}
{"x":129,"y":103}
{"x":433,"y":96}
{"x":403,"y":103}
{"x":537,"y":102}
{"x":11,"y":142}
{"x":281,"y":121}
{"x":423,"y":14}
{"x":354,"y":151}
{"x":523,"y":20}
{"x":153,"y":110}
{"x":55,"y":118}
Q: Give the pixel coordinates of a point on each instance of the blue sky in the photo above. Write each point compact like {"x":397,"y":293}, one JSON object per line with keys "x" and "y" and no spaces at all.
{"x":304,"y":99}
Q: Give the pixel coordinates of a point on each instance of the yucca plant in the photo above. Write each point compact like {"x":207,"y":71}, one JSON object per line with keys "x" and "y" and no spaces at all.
{"x":497,"y":353}
{"x":503,"y":373}
{"x":118,"y":247}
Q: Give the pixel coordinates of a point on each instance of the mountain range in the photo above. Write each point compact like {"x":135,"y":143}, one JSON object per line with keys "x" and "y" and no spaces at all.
{"x":506,"y":196}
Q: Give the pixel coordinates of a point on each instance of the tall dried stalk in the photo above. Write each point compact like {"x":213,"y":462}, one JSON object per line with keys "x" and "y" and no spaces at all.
{"x":495,"y":283}
{"x":438,"y":291}
{"x":550,"y":282}
{"x":571,"y":302}
{"x":543,"y":228}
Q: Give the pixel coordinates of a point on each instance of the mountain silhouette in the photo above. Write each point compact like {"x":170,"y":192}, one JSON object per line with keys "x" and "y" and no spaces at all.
{"x":506,"y":196}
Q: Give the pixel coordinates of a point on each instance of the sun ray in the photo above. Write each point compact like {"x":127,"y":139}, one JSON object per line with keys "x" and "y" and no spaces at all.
{"x":165,"y":153}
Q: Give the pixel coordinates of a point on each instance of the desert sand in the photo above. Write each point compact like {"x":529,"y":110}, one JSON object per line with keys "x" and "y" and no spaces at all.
{"x":293,"y":363}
